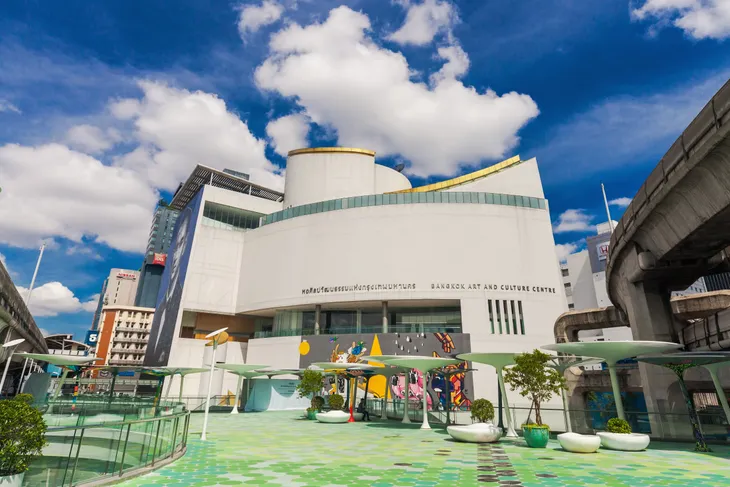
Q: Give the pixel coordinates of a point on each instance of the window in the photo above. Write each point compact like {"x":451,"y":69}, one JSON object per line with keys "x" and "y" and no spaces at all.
{"x":499,"y":318}
{"x":506,"y":316}
{"x":522,"y":318}
{"x":571,"y":306}
{"x":514,"y":317}
{"x":491,"y":316}
{"x":565,"y":272}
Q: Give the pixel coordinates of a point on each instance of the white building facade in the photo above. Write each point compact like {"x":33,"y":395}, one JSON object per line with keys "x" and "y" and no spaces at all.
{"x":351,"y":261}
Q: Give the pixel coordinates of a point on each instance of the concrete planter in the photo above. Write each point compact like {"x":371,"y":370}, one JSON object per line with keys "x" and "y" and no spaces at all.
{"x":311,"y":414}
{"x":536,"y":436}
{"x":333,"y":417}
{"x":575,"y":443}
{"x":624,"y":441}
{"x":12,"y":480}
{"x":475,"y":433}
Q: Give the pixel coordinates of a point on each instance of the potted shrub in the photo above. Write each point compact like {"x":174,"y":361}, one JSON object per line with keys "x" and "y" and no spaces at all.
{"x":483,"y":431}
{"x":22,"y":438}
{"x":532,"y":378}
{"x":618,"y":436}
{"x":311,"y":385}
{"x":336,"y":402}
{"x":482,"y":410}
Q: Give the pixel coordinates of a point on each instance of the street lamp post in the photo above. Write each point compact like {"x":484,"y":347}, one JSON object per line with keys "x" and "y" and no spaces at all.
{"x":214,"y":341}
{"x":11,"y":347}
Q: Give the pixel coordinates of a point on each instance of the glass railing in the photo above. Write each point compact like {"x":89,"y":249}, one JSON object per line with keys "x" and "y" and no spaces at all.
{"x":660,"y":426}
{"x":439,"y":197}
{"x":88,"y":410}
{"x":79,"y":455}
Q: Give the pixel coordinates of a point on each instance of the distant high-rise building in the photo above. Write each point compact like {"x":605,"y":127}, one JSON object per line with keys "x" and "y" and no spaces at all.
{"x":120,"y":288}
{"x":163,"y":224}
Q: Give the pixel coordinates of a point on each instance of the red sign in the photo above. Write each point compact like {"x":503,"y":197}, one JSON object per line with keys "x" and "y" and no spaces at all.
{"x":159,"y":259}
{"x":126,"y":275}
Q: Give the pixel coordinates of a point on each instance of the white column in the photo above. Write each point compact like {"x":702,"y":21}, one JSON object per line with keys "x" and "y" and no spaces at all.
{"x":384,"y":412}
{"x":182,"y":380}
{"x":568,"y":426}
{"x":720,"y":391}
{"x":169,"y":386}
{"x":616,"y":390}
{"x":385,"y":317}
{"x":406,"y":419}
{"x":317,"y":318}
{"x":511,"y":433}
{"x":238,"y":392}
{"x":60,"y":383}
{"x":203,"y":435}
{"x":425,"y":425}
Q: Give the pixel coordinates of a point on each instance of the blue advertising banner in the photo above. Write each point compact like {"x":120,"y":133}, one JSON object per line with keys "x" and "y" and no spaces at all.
{"x":92,"y":336}
{"x":173,"y":279}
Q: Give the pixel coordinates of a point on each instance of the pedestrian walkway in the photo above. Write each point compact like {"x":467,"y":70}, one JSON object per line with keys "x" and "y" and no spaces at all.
{"x":279,"y":448}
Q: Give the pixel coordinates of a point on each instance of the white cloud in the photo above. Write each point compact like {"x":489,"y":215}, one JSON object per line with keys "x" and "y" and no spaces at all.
{"x":288,"y":133}
{"x":84,"y":250}
{"x":53,"y":191}
{"x":622,"y":202}
{"x":6,"y":106}
{"x":178,"y":129}
{"x":700,"y":19}
{"x":53,"y":299}
{"x":343,"y":80}
{"x":253,"y":17}
{"x":91,"y":139}
{"x":564,"y":250}
{"x":615,"y":133}
{"x":573,"y":221}
{"x":424,"y":21}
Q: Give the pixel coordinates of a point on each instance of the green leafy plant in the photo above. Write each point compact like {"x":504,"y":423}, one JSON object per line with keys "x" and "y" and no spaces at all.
{"x":617,"y":425}
{"x":534,"y":379}
{"x":26,"y":398}
{"x":22,"y":436}
{"x":336,"y":402}
{"x":318,"y":403}
{"x":310,"y":385}
{"x":482,"y":410}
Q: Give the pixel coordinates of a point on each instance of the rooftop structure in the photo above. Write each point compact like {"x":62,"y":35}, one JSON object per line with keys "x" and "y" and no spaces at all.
{"x":204,"y":175}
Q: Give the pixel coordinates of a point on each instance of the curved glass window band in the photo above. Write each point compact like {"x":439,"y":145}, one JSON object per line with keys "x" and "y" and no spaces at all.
{"x":446,"y":197}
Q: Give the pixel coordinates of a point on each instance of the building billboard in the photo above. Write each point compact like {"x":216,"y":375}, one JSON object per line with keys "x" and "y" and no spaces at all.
{"x":171,"y":287}
{"x":92,"y":336}
{"x":159,"y":259}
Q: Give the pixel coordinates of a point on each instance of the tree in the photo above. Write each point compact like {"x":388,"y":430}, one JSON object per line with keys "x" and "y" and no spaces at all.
{"x":534,"y":379}
{"x":310,"y":385}
{"x":22,"y":436}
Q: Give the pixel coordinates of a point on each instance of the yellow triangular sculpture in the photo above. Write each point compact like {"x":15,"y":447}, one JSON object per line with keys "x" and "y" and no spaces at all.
{"x":377,"y":382}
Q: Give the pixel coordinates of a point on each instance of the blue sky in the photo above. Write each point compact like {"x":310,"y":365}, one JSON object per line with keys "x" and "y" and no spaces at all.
{"x":106,"y":106}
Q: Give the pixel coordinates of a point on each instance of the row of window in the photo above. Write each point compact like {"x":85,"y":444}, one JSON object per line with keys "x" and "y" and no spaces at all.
{"x":406,"y":199}
{"x":221,"y":216}
{"x":506,"y":318}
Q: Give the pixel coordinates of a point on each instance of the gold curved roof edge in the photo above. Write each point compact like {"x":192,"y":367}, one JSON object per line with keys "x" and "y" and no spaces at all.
{"x":466,"y":178}
{"x":320,"y":150}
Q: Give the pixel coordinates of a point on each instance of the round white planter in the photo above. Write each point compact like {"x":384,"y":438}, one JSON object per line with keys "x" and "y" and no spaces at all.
{"x":576,"y":443}
{"x":624,"y":441}
{"x":12,"y":480}
{"x":475,"y":433}
{"x":333,"y":417}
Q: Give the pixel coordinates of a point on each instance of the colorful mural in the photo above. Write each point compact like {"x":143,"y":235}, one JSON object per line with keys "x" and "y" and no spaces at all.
{"x":350,"y":348}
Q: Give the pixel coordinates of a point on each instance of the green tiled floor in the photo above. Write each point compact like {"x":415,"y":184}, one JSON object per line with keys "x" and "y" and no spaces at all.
{"x":280,"y":449}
